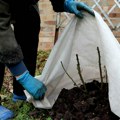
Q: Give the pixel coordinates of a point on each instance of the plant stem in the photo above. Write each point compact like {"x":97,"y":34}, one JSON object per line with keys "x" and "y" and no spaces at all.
{"x":99,"y":61}
{"x":68,"y":74}
{"x":106,"y":76}
{"x":79,"y":72}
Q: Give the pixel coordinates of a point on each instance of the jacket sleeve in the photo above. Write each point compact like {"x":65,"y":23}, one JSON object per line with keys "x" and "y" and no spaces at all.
{"x":10,"y":52}
{"x":58,"y":5}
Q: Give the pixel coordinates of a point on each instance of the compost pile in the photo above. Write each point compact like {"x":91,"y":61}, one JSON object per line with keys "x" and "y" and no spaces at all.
{"x":76,"y":104}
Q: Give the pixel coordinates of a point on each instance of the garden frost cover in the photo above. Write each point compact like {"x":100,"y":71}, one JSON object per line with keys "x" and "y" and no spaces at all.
{"x":82,"y":37}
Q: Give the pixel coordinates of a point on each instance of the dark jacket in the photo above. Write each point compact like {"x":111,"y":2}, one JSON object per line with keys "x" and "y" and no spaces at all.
{"x":10,"y":51}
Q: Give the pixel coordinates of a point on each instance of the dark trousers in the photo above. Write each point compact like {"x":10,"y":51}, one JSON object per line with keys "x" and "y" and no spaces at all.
{"x":26,"y":29}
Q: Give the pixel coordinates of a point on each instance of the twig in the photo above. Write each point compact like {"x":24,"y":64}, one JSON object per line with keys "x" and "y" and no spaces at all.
{"x":68,"y":74}
{"x":106,"y":75}
{"x":79,"y":72}
{"x":99,"y":61}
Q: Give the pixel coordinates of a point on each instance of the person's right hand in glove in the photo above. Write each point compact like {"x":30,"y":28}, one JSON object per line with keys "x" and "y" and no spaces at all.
{"x":33,"y":86}
{"x":76,"y":7}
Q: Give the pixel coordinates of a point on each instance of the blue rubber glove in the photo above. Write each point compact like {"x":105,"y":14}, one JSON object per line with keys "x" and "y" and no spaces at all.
{"x":33,"y":86}
{"x":75,"y":7}
{"x":5,"y":114}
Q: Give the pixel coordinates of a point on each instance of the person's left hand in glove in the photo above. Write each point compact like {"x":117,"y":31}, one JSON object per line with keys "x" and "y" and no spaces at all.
{"x":76,"y":7}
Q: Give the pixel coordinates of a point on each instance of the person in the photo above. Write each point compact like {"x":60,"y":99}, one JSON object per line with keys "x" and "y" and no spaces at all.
{"x":31,"y":24}
{"x":14,"y":45}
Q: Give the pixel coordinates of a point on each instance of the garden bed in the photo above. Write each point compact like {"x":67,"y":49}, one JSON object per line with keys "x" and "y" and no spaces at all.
{"x":75,"y":104}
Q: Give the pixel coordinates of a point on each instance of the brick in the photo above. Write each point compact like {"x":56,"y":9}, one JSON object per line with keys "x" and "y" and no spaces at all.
{"x":118,"y":39}
{"x":45,"y":46}
{"x":115,"y":15}
{"x":50,"y":22}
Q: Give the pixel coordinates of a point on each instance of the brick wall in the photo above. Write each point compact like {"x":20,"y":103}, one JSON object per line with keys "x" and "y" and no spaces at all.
{"x":48,"y":21}
{"x":46,"y":36}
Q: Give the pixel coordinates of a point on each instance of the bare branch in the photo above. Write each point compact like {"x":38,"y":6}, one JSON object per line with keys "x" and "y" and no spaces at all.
{"x":79,"y":72}
{"x":99,"y":61}
{"x":68,"y":74}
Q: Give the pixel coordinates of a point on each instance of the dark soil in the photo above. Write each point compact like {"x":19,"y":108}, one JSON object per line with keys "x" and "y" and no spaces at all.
{"x":75,"y":104}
